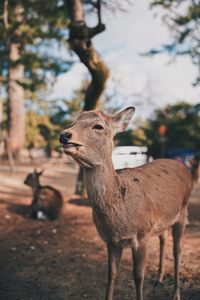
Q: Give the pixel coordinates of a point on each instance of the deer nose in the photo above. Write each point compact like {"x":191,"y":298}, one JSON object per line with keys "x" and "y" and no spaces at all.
{"x":65,"y":137}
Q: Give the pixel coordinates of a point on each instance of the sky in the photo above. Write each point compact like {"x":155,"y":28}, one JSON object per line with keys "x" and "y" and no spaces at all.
{"x":145,"y":82}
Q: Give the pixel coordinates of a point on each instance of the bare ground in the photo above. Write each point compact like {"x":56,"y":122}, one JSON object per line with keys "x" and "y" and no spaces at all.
{"x":65,"y":259}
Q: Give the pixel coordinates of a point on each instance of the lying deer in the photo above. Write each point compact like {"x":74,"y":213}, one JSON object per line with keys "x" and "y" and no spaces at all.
{"x":47,"y":201}
{"x":129,"y":205}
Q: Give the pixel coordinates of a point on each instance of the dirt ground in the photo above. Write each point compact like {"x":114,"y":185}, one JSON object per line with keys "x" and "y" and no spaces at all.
{"x":66,"y":259}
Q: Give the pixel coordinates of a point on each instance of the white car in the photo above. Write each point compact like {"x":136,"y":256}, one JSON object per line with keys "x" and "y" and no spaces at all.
{"x":129,"y":156}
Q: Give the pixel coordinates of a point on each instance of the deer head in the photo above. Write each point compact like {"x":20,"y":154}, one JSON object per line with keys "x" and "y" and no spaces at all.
{"x":90,"y":139}
{"x":32,"y":179}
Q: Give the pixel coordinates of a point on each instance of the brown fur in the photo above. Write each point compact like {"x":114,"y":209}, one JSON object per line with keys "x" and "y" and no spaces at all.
{"x":129,"y":205}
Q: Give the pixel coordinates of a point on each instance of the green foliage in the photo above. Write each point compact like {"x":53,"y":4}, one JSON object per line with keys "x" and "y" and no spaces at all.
{"x":33,"y":136}
{"x":183,"y":19}
{"x":41,"y":31}
{"x":64,"y":111}
{"x":45,"y":120}
{"x":183,"y":126}
{"x":40,"y":132}
{"x":131,"y":138}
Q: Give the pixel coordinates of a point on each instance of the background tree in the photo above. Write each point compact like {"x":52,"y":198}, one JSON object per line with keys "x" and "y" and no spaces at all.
{"x":81,"y":42}
{"x":32,"y":30}
{"x":183,"y":19}
{"x":182,"y":122}
{"x":131,"y":137}
{"x":16,"y":115}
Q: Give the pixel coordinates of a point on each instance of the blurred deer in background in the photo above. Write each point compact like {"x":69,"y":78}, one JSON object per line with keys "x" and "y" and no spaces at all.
{"x":47,"y":201}
{"x":129,"y":205}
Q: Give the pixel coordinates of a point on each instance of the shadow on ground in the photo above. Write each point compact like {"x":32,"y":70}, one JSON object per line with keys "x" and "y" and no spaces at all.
{"x":79,"y":201}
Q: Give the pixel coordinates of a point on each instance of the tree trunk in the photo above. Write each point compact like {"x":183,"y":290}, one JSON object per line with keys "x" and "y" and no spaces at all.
{"x":1,"y":115}
{"x":81,"y":43}
{"x":16,"y":111}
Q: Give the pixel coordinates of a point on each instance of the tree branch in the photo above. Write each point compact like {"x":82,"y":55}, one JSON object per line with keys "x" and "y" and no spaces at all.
{"x":81,"y":42}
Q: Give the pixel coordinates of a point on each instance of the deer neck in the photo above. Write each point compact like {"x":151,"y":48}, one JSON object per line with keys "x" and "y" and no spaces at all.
{"x":101,"y":183}
{"x":35,"y":189}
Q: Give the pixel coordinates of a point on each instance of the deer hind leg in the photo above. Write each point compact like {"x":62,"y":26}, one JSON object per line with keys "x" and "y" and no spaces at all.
{"x":161,"y":268}
{"x":177,"y":232}
{"x":139,"y":263}
{"x":114,"y":256}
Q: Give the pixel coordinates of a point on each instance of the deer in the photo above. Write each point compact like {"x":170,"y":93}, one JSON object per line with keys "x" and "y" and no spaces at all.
{"x":47,"y":201}
{"x":129,"y":205}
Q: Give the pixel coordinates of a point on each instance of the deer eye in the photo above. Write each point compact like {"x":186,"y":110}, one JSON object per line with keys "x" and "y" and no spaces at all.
{"x":98,"y":127}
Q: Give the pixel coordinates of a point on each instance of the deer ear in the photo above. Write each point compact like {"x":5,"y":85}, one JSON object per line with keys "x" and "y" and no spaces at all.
{"x":38,"y":173}
{"x":41,"y":172}
{"x":122,"y":119}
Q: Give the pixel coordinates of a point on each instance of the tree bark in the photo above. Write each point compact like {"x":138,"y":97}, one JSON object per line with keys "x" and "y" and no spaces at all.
{"x":16,"y":111}
{"x":1,"y":115}
{"x":81,"y":43}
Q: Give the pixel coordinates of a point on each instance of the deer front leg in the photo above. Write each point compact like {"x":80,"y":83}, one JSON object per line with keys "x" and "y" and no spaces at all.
{"x":114,"y":256}
{"x":162,"y":239}
{"x":139,"y":262}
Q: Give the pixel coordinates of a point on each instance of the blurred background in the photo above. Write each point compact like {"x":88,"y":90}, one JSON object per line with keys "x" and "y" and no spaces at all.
{"x":65,"y":56}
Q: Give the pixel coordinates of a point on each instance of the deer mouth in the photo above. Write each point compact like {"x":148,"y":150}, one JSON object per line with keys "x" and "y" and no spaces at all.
{"x":71,"y":145}
{"x":73,"y":149}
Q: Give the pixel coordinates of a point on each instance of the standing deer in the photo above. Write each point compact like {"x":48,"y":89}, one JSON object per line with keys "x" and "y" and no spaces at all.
{"x":47,"y":201}
{"x":129,"y":205}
